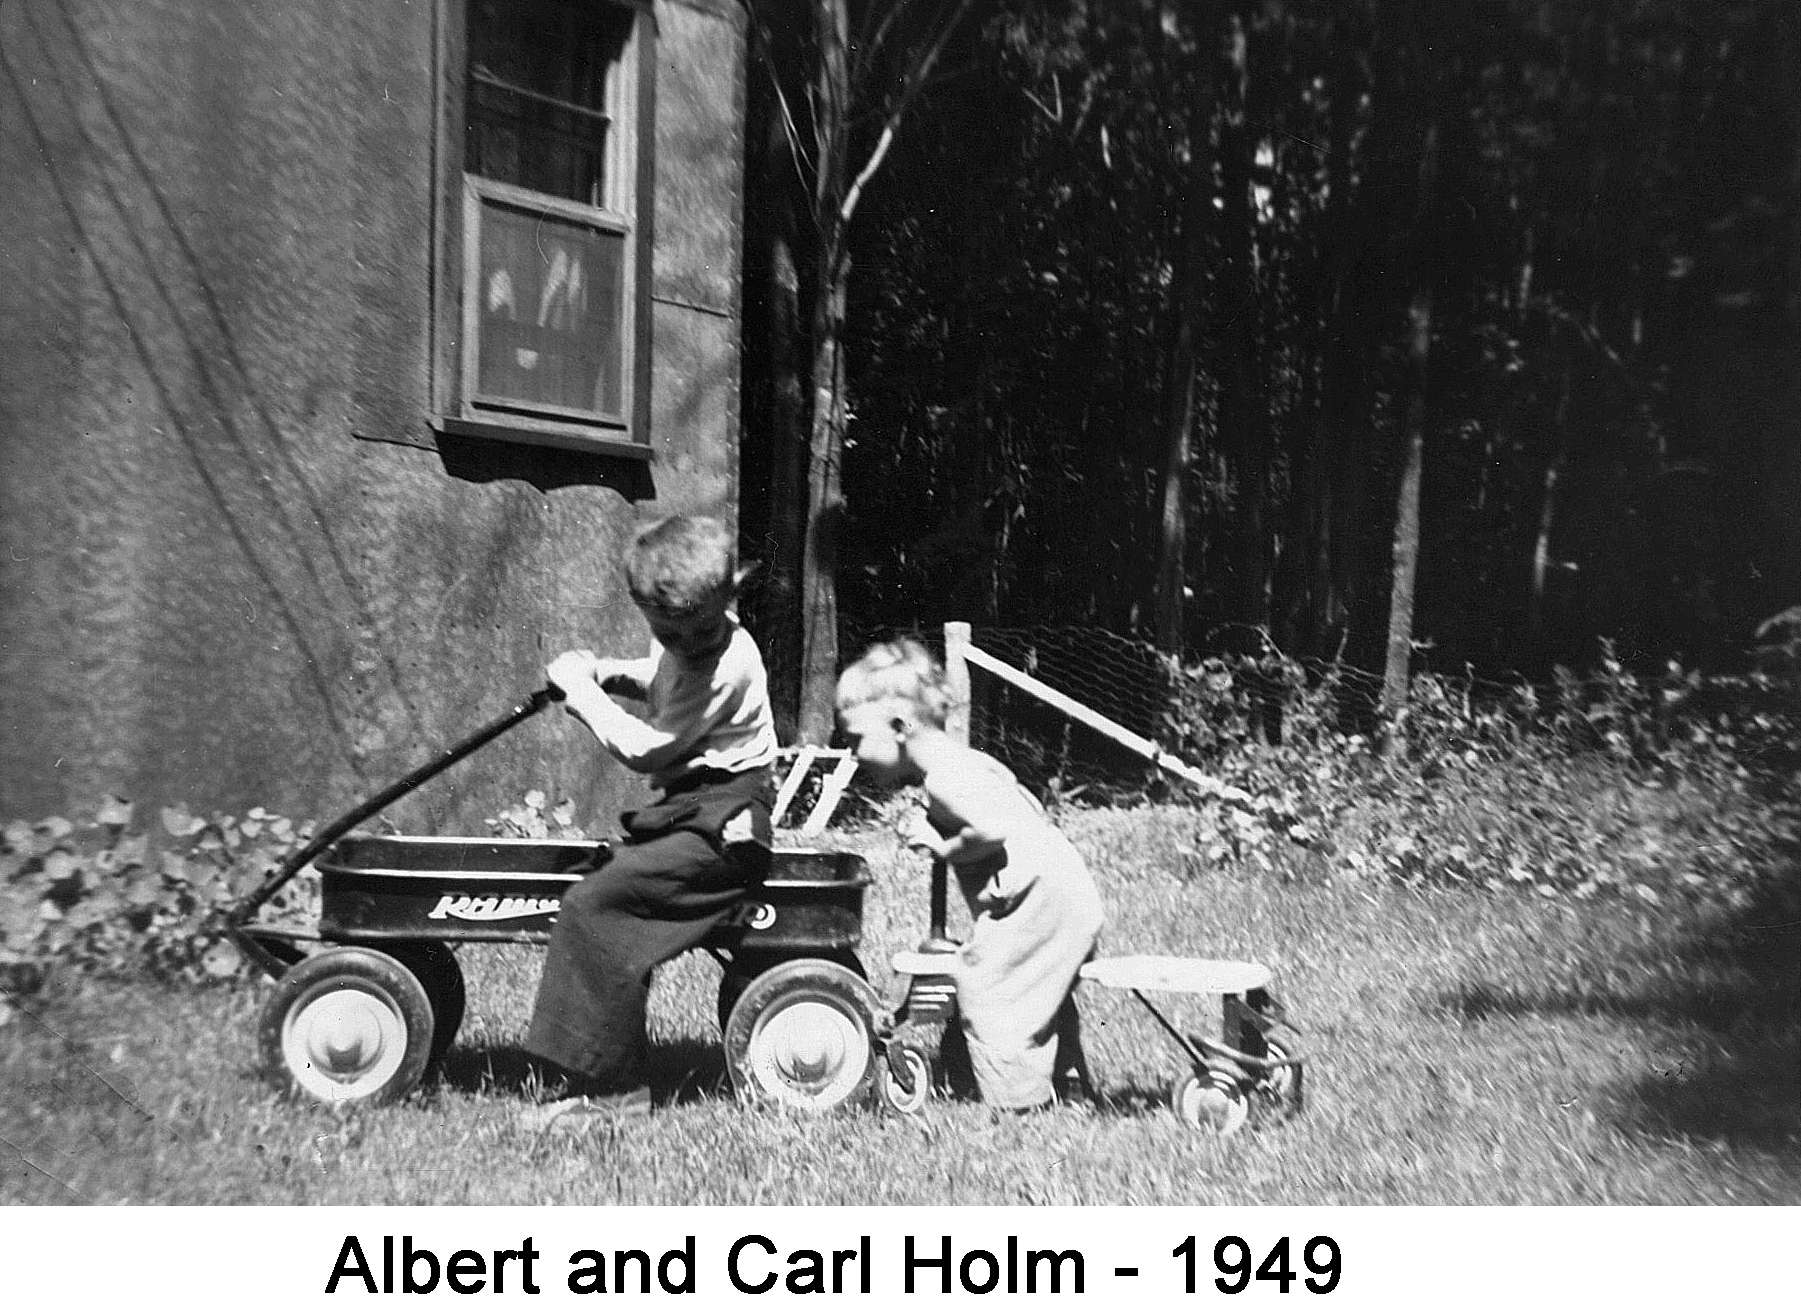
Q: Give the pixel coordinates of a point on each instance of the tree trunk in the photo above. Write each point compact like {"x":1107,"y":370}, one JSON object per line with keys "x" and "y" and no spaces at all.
{"x":780,"y":595}
{"x":833,"y":201}
{"x":1243,"y":410}
{"x":1407,"y":505}
{"x":1547,"y":512}
{"x":825,"y":507}
{"x":1332,"y":473}
{"x":825,"y":454}
{"x":1178,"y":431}
{"x":1789,"y":34}
{"x":1407,"y":524}
{"x":1179,"y":398}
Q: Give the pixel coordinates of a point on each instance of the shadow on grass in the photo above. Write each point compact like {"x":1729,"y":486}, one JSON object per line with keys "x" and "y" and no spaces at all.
{"x":1133,"y":1100}
{"x":1736,"y":978}
{"x":689,"y":1070}
{"x":682,"y":1071}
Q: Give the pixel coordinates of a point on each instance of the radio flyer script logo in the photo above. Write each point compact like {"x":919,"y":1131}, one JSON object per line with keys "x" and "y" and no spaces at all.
{"x":492,"y":908}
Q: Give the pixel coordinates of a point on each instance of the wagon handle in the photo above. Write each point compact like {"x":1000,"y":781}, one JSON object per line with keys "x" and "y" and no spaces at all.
{"x":244,"y":908}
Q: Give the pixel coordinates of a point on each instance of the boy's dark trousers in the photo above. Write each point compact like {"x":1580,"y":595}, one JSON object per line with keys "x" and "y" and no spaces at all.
{"x":662,"y":892}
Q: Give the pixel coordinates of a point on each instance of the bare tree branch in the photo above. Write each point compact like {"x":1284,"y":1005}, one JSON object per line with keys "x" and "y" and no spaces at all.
{"x":1042,"y":107}
{"x":790,"y":130}
{"x":915,"y":78}
{"x":879,"y":37}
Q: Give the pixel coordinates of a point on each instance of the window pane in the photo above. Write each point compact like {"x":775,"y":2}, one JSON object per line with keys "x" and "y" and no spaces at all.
{"x":549,"y":311}
{"x":537,"y":108}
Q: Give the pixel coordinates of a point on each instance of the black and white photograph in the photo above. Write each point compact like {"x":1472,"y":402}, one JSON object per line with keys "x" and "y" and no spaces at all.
{"x":1021,"y":604}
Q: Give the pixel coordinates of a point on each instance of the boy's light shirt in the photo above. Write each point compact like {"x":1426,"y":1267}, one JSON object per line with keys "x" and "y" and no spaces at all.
{"x":709,"y":714}
{"x":1013,"y":840}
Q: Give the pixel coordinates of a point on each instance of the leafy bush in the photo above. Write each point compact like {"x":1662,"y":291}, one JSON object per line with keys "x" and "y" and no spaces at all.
{"x":534,"y":819}
{"x":96,"y":896}
{"x":1604,"y":783}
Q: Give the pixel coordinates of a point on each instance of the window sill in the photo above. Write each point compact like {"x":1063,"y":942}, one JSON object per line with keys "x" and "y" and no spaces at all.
{"x":569,"y":438}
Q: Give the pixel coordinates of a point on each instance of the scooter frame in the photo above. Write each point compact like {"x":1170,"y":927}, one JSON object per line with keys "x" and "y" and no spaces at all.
{"x":1253,"y":1068}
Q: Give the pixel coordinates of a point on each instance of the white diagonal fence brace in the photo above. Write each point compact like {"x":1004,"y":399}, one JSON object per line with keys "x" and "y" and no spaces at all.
{"x":961,"y":654}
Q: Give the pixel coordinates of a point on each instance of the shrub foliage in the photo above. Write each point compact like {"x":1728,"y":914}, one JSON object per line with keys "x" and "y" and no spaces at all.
{"x":97,"y":895}
{"x":1605,"y":784}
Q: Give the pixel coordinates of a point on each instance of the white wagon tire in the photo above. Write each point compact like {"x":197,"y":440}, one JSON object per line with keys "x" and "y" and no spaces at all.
{"x":802,"y":1035}
{"x":348,"y":1026}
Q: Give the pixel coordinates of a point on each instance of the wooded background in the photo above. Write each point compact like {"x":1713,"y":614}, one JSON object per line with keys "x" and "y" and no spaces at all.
{"x":1380,"y":330}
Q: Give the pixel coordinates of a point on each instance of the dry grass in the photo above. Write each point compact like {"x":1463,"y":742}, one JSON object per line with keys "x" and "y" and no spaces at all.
{"x":1464,"y":1048}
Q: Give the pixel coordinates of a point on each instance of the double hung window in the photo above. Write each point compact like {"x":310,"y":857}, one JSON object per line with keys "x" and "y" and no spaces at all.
{"x":551,"y":333}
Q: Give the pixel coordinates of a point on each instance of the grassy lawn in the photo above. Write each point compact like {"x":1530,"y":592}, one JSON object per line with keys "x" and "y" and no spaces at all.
{"x":1464,"y":1049}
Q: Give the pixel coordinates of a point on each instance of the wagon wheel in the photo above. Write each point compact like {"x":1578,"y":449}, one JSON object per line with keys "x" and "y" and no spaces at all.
{"x":436,"y":967}
{"x":745,"y":969}
{"x":904,"y":1077}
{"x":740,"y":971}
{"x":731,"y":986}
{"x":348,"y":1025}
{"x":1213,"y":1101}
{"x":803,"y":1035}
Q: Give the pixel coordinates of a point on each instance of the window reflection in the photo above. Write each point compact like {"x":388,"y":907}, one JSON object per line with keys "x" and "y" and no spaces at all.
{"x":550,"y":310}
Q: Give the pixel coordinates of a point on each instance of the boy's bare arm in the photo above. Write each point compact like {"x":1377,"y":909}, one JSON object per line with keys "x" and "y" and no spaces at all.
{"x":628,"y":676}
{"x":984,"y":809}
{"x":960,"y":847}
{"x":967,"y":846}
{"x":635,"y":742}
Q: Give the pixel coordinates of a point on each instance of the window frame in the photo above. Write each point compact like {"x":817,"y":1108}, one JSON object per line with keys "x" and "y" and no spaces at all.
{"x":456,"y":407}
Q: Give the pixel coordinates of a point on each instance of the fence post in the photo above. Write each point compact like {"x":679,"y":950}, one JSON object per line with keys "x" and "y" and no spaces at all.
{"x":956,"y":672}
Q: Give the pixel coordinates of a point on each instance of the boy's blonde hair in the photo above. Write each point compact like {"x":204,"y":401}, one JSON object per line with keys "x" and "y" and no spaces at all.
{"x":899,"y":669}
{"x":681,"y":563}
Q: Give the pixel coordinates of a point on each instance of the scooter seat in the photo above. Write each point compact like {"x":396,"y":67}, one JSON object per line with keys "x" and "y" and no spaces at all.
{"x":1162,"y":972}
{"x":924,"y":963}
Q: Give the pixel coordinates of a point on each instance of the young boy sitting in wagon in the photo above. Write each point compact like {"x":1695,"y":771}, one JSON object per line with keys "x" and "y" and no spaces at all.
{"x":1036,"y":913}
{"x":706,"y":740}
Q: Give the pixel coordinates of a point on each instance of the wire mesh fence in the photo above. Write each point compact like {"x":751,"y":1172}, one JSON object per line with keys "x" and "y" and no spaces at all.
{"x":1124,"y":680}
{"x":1210,"y":711}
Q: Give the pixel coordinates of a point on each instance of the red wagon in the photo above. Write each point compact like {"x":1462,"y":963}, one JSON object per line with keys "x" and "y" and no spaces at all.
{"x":370,"y":998}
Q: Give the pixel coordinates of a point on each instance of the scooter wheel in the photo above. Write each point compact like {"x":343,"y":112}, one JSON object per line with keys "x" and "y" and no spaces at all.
{"x":912,"y":1064}
{"x":1279,"y":1088}
{"x":1212,"y":1102}
{"x":347,"y":1026}
{"x":803,"y":1035}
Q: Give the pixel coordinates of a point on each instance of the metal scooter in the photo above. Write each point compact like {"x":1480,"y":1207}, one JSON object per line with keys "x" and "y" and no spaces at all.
{"x":1254,"y":1065}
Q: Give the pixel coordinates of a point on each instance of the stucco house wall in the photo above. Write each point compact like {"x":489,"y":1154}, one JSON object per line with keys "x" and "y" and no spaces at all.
{"x":238,"y":563}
